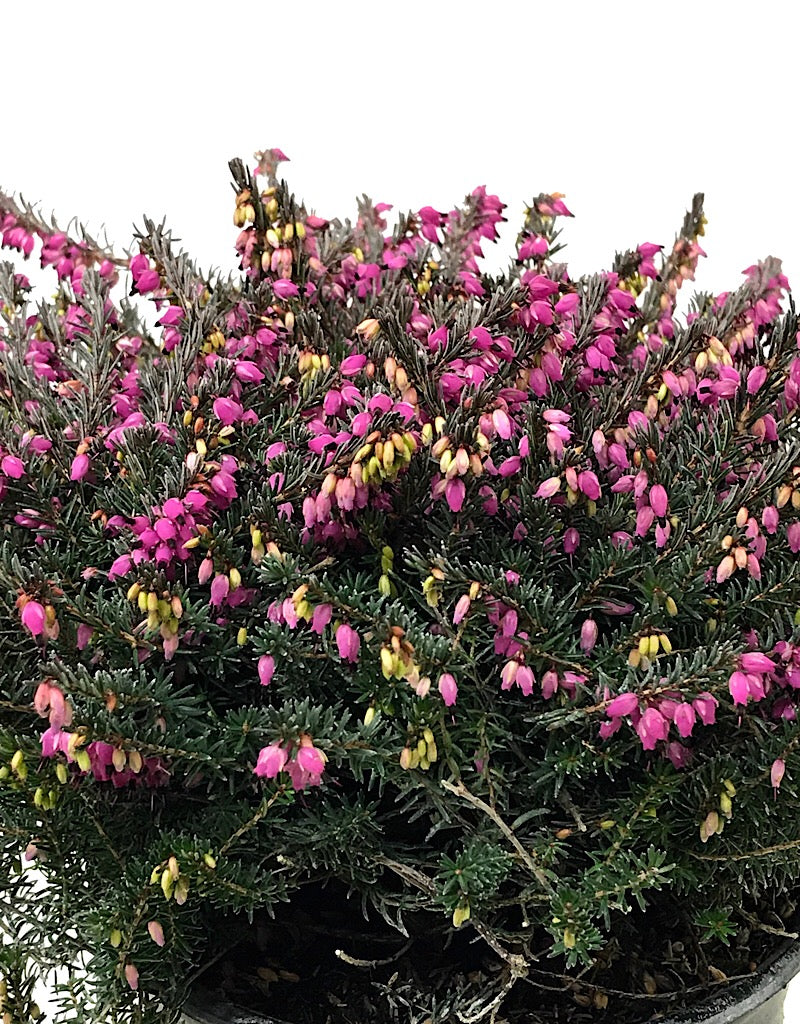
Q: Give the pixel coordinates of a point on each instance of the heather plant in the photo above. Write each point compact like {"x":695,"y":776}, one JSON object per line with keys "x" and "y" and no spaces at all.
{"x":475,"y":597}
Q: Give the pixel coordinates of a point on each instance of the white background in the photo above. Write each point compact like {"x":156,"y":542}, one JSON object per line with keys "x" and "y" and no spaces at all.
{"x":113,"y":110}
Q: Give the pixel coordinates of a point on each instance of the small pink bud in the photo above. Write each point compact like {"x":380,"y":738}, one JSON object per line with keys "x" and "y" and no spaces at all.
{"x":205,"y":571}
{"x":156,"y":933}
{"x":776,"y":773}
{"x":588,"y":635}
{"x":448,"y":688}
{"x":132,"y":976}
{"x":462,"y":607}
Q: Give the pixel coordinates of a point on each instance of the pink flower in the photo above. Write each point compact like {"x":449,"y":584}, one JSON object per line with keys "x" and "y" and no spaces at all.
{"x":525,"y":679}
{"x":739,"y":687}
{"x":455,"y":492}
{"x":227,"y":411}
{"x":754,"y":661}
{"x":271,"y":760}
{"x":310,"y":759}
{"x":12,"y":466}
{"x":588,"y":635}
{"x":462,"y":608}
{"x":121,"y":566}
{"x":131,"y":973}
{"x":33,"y":617}
{"x":285,"y":289}
{"x":351,"y":365}
{"x":348,"y":642}
{"x":266,"y":667}
{"x":156,"y":932}
{"x":705,"y":704}
{"x":321,"y":617}
{"x":622,"y":705}
{"x":652,"y":727}
{"x":776,"y":773}
{"x":658,"y":500}
{"x":793,"y":537}
{"x":684,"y":719}
{"x":219,"y":588}
{"x":79,"y":468}
{"x":448,"y":688}
{"x":548,"y":488}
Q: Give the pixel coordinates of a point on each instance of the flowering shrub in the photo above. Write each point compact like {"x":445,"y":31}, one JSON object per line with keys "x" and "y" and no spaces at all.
{"x":475,"y":595}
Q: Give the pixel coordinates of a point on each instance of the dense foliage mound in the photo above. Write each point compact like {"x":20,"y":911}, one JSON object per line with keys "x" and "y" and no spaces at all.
{"x":471,"y":596}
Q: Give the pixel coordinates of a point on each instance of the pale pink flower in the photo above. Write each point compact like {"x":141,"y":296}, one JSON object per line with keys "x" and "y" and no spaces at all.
{"x":271,"y":760}
{"x":776,"y":773}
{"x":448,"y":688}
{"x":588,"y":635}
{"x":266,"y":668}
{"x":348,"y":642}
{"x":156,"y":932}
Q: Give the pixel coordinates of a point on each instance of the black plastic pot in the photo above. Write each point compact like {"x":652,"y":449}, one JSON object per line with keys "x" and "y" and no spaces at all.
{"x":754,"y":1001}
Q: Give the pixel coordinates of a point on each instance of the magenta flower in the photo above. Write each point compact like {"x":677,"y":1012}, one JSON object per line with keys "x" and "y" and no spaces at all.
{"x":227,"y":411}
{"x":455,"y":491}
{"x":754,"y":661}
{"x":79,"y":468}
{"x":658,"y":500}
{"x":33,"y":617}
{"x":652,"y":727}
{"x":684,"y":719}
{"x":121,"y":566}
{"x":12,"y":466}
{"x":622,"y":705}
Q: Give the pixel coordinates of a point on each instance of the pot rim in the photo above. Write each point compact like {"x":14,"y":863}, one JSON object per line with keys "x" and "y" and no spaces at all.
{"x":731,"y":1003}
{"x":726,"y":1006}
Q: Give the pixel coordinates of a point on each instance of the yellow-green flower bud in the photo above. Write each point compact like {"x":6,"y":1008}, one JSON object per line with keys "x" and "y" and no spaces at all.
{"x":133,"y":592}
{"x":152,"y":601}
{"x":115,"y":937}
{"x":235,"y":578}
{"x":460,"y":915}
{"x":241,"y":636}
{"x":672,"y":608}
{"x":384,"y":585}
